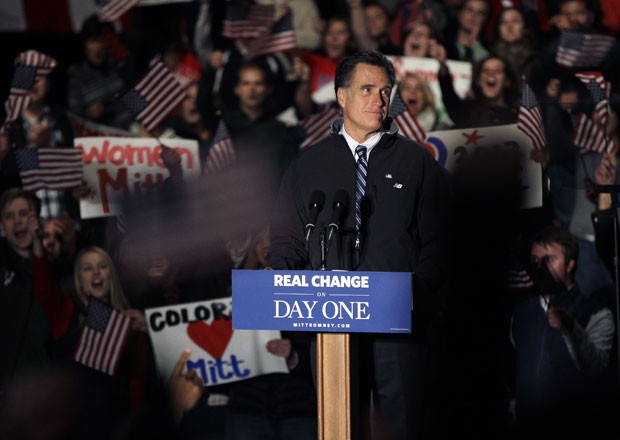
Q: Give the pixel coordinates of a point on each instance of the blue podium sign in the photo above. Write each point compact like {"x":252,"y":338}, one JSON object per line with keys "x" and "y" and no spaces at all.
{"x":322,"y":301}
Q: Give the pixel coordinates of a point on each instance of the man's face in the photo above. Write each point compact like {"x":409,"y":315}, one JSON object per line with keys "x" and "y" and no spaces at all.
{"x":553,"y":256}
{"x":365,"y":103}
{"x":95,"y":51}
{"x":252,"y":88}
{"x":377,"y":21}
{"x":15,"y":219}
{"x":577,"y":15}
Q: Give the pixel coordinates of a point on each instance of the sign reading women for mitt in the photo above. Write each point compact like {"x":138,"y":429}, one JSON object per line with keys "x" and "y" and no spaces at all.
{"x":116,"y":167}
{"x":219,"y":353}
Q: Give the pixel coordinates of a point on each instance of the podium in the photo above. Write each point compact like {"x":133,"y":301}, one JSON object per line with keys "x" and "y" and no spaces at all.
{"x":334,"y":305}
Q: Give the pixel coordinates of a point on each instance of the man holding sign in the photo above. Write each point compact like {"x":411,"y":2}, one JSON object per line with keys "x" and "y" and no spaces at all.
{"x":392,"y":223}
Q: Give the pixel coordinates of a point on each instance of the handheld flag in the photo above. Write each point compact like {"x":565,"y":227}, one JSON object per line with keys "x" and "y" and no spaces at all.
{"x":407,"y":123}
{"x":103,"y":337}
{"x":154,"y":96}
{"x":578,"y":49}
{"x":530,"y":119}
{"x":317,"y":126}
{"x":49,"y":168}
{"x":600,"y":90}
{"x":28,"y":66}
{"x":591,"y":137}
{"x":280,"y":39}
{"x":243,"y":22}
{"x":222,"y":152}
{"x":110,"y":10}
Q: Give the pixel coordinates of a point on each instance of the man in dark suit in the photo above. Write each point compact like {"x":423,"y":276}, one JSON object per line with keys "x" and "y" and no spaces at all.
{"x":393,"y":224}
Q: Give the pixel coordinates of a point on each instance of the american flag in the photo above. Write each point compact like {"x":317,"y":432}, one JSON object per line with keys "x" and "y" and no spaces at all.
{"x":222,"y":152}
{"x":518,"y":280}
{"x":242,"y":21}
{"x":24,"y":78}
{"x":591,"y":137}
{"x":406,"y":122}
{"x":280,"y":39}
{"x":154,"y":96}
{"x":599,"y":89}
{"x":530,"y":118}
{"x":110,"y":10}
{"x":49,"y":168}
{"x":103,"y":337}
{"x":317,"y":126}
{"x":578,"y":49}
{"x":44,"y":63}
{"x":28,"y":66}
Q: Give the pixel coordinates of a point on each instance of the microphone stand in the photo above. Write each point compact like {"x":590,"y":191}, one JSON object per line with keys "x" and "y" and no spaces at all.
{"x":323,"y":248}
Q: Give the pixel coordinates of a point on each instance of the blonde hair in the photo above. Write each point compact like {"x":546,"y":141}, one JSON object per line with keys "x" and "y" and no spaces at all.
{"x":117,"y":297}
{"x":428,"y":93}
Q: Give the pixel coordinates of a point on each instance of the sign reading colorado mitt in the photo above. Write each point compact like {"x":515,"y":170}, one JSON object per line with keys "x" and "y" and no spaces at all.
{"x":219,"y":353}
{"x":322,"y":301}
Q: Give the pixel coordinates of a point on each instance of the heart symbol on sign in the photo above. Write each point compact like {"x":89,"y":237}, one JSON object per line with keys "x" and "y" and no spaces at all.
{"x":212,"y":338}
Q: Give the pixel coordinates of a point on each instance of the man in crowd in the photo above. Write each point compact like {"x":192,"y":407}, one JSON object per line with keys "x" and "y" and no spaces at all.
{"x":563,"y":340}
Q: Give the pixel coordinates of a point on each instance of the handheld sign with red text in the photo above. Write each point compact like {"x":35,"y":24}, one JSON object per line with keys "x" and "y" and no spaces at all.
{"x":116,"y":167}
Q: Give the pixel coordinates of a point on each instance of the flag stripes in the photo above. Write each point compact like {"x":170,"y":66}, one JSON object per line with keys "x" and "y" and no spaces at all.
{"x":406,"y":122}
{"x":243,"y":22}
{"x":600,"y":90}
{"x":28,"y":66}
{"x":49,"y":168}
{"x":317,"y":126}
{"x":530,"y":119}
{"x":222,"y":152}
{"x":154,"y":96}
{"x":103,"y":337}
{"x":114,"y":9}
{"x":578,"y":49}
{"x":280,"y":39}
{"x":591,"y":137}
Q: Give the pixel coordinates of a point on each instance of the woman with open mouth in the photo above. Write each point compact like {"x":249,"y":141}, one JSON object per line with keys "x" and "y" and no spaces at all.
{"x":492,"y":100}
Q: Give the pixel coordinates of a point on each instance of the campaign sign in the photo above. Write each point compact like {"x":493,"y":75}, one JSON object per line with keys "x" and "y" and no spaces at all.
{"x":219,"y":353}
{"x":495,"y":153}
{"x":322,"y":301}
{"x":116,"y":167}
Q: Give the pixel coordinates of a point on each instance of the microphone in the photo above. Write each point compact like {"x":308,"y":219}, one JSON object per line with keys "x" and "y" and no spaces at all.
{"x":339,"y":211}
{"x":317,"y":200}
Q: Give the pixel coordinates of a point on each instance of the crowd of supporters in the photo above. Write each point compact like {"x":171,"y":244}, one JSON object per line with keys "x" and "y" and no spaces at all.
{"x":180,"y":241}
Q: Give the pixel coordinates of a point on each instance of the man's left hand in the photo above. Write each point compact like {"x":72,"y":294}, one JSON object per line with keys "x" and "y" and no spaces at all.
{"x":560,"y":319}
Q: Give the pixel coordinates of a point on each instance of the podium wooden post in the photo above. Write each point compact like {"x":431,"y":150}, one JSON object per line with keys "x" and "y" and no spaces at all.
{"x":333,"y":386}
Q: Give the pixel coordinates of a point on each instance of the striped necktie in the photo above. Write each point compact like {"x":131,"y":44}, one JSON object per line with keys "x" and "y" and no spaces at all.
{"x":360,"y":184}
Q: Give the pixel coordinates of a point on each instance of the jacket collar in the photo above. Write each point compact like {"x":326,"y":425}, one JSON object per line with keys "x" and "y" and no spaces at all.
{"x":389,"y":126}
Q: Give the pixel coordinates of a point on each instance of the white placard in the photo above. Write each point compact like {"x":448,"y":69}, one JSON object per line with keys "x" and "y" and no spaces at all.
{"x":116,"y":167}
{"x":219,"y":353}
